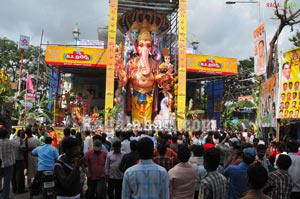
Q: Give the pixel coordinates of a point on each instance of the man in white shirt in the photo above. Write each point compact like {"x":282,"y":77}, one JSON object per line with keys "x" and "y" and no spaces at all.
{"x":125,"y":144}
{"x":294,"y":170}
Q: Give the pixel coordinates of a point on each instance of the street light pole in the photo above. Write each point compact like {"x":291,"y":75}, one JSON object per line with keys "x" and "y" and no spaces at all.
{"x":235,"y":2}
{"x":194,"y":43}
{"x":76,"y":33}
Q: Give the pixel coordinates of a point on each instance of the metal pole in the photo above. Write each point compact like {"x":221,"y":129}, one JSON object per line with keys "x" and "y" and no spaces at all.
{"x":25,"y":107}
{"x":21,"y":67}
{"x":39,"y":60}
{"x":259,"y":20}
{"x":55,"y":96}
{"x":54,"y":110}
{"x":278,"y":130}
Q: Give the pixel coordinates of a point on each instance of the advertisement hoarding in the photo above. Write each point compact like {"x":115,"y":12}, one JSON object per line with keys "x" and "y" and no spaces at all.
{"x":211,"y":64}
{"x":289,"y":92}
{"x":268,"y":101}
{"x":260,"y":49}
{"x":72,"y":56}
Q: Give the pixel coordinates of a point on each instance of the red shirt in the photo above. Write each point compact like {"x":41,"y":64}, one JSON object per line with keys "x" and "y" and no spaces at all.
{"x":95,"y":164}
{"x":207,"y":146}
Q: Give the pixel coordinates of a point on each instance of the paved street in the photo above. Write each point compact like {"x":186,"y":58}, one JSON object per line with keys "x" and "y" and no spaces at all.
{"x":23,"y":195}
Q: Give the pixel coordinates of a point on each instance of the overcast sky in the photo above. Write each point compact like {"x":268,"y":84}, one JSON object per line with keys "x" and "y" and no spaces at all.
{"x":222,"y":30}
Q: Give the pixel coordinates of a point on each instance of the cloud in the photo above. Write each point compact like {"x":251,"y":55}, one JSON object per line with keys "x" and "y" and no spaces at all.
{"x":222,"y":30}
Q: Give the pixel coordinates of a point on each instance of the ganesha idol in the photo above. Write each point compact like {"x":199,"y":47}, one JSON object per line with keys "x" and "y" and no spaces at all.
{"x":140,"y":76}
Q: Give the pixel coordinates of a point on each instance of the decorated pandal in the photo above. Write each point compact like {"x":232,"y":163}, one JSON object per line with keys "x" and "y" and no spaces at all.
{"x":143,"y":69}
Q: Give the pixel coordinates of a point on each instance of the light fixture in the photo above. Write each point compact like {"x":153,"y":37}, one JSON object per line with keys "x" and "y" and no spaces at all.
{"x":76,"y":32}
{"x":234,"y":2}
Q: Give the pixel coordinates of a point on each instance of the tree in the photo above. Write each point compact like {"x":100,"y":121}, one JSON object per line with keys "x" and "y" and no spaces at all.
{"x":246,"y":65}
{"x":10,"y":59}
{"x":241,"y":84}
{"x":6,"y":104}
{"x":287,"y":17}
{"x":296,"y":39}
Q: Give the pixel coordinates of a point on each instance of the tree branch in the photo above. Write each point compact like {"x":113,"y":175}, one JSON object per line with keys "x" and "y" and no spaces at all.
{"x":285,"y":7}
{"x":284,"y":20}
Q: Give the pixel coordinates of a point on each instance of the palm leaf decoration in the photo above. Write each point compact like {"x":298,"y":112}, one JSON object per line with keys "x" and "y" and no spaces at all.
{"x":112,"y":112}
{"x":189,"y":110}
{"x":227,"y":115}
{"x":40,"y":109}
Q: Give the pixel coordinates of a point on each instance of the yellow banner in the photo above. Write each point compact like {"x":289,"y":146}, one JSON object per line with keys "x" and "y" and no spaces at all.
{"x":181,"y":63}
{"x":75,"y":56}
{"x":111,"y":43}
{"x":289,"y":79}
{"x":60,"y":132}
{"x":211,"y":64}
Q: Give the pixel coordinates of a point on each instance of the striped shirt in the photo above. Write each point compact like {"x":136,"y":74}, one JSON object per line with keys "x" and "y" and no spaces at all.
{"x":145,"y":180}
{"x":213,"y":186}
{"x":112,"y":163}
{"x":164,"y":161}
{"x":7,"y":154}
{"x":279,"y":185}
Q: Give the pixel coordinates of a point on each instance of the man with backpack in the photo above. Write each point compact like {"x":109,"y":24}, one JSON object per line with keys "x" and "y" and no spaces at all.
{"x":67,"y":170}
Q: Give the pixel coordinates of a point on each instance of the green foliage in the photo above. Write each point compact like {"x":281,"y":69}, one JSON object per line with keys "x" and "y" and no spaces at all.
{"x":10,"y":57}
{"x":243,"y":85}
{"x":295,"y":39}
{"x":189,"y":111}
{"x":246,"y":65}
{"x":5,"y":91}
{"x":112,"y":112}
{"x":40,"y":109}
{"x":227,"y":115}
{"x":6,"y":94}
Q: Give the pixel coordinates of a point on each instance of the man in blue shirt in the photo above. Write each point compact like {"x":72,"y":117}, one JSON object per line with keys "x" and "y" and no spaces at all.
{"x":47,"y":155}
{"x":145,"y":180}
{"x":237,"y":174}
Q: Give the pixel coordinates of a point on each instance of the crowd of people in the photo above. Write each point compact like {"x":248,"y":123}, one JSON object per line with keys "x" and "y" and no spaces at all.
{"x":150,"y":164}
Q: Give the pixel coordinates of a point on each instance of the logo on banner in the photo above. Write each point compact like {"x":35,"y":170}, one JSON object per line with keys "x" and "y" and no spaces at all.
{"x":210,"y":63}
{"x":78,"y":56}
{"x":24,"y":42}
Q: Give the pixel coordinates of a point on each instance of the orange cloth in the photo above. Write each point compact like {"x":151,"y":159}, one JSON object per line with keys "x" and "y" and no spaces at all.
{"x":53,"y":135}
{"x":169,"y":153}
